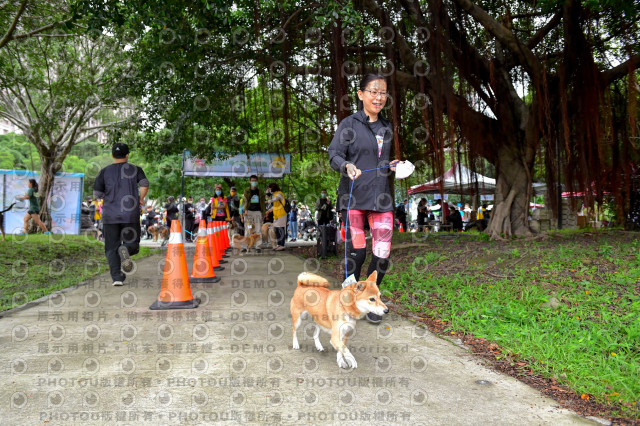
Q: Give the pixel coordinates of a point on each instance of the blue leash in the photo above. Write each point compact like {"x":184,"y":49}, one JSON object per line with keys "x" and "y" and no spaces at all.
{"x":346,"y":225}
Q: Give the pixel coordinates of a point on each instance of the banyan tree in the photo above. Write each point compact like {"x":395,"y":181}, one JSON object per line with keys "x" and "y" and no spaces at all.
{"x":541,"y":89}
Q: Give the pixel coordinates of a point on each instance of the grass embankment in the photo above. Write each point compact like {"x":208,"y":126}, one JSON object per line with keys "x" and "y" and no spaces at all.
{"x":566,"y":308}
{"x":37,"y":265}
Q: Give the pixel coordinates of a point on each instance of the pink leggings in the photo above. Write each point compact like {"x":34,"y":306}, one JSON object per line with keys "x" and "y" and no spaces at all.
{"x":381,"y":225}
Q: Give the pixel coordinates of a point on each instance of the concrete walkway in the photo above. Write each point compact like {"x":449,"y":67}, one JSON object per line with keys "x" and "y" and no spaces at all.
{"x":96,"y":354}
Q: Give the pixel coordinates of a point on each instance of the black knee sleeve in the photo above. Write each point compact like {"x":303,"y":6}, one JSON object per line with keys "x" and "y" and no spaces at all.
{"x":355,"y":260}
{"x":378,"y":264}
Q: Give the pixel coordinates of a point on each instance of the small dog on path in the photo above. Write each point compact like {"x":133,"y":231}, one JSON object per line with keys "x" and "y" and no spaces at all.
{"x":238,"y":240}
{"x":335,"y":311}
{"x":159,"y":231}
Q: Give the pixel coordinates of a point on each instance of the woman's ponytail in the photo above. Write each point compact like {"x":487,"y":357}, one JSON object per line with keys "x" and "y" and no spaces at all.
{"x":34,"y":185}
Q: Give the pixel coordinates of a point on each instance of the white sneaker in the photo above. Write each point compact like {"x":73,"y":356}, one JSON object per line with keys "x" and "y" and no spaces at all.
{"x":117,"y":283}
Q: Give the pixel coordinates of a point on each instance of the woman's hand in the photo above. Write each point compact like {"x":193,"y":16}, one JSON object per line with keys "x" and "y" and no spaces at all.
{"x":393,"y":165}
{"x":353,"y":172}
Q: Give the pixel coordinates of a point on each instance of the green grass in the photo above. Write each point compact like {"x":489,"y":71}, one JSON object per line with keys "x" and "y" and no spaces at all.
{"x":38,"y":265}
{"x":591,"y":342}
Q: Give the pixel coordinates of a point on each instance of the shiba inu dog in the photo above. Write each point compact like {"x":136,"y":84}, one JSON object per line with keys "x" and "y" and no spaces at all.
{"x":238,"y":240}
{"x":159,"y":231}
{"x":335,"y":311}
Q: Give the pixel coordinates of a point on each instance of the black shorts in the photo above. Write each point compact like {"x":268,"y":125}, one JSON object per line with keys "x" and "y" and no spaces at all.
{"x":33,"y":211}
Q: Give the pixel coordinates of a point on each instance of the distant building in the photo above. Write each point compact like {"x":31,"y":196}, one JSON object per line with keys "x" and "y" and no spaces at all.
{"x":8,"y":127}
{"x":101,"y":136}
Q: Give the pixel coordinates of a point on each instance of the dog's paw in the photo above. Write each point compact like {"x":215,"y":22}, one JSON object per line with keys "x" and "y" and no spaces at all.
{"x":342,"y":363}
{"x":296,"y":345}
{"x":319,"y":347}
{"x":351,"y":361}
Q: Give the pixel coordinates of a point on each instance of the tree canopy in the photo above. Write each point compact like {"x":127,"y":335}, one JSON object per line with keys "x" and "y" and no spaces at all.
{"x":542,"y":90}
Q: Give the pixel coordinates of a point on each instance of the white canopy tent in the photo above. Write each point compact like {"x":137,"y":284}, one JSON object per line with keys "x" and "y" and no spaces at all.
{"x":458,"y":180}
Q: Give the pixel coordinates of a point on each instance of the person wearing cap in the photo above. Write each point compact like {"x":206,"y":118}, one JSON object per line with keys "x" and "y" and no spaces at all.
{"x":122,"y":186}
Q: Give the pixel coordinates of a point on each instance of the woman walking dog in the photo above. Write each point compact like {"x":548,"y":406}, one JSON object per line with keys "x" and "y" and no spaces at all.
{"x":34,"y":208}
{"x":363,"y":142}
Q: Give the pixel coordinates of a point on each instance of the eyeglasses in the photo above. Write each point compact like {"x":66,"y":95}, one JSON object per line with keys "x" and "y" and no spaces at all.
{"x":375,"y":93}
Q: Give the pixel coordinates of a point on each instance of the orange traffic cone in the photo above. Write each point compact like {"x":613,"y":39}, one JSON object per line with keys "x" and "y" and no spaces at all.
{"x":401,"y":228}
{"x":202,"y":271}
{"x":217,"y":234}
{"x":225,"y":231}
{"x":220,"y":234}
{"x":175,"y":292}
{"x":213,"y":249}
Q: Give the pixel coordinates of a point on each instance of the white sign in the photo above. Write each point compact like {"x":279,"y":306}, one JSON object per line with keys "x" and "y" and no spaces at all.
{"x":240,"y":165}
{"x":64,"y":201}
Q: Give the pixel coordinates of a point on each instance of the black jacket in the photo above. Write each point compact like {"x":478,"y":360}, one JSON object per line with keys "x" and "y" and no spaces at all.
{"x":188,"y":211}
{"x":354,"y":142}
{"x":455,"y":219}
{"x":172,"y":212}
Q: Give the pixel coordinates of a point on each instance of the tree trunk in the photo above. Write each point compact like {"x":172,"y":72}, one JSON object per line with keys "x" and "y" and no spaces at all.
{"x":510,"y":213}
{"x":340,"y":79}
{"x":48,"y":170}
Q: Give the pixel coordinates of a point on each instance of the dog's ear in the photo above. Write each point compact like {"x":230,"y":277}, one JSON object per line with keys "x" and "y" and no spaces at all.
{"x":360,"y":286}
{"x":373,"y":278}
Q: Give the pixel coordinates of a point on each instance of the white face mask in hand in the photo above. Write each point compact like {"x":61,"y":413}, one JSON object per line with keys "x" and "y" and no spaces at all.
{"x":404,"y":169}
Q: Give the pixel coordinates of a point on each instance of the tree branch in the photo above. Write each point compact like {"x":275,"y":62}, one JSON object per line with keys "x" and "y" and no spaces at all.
{"x":12,"y":118}
{"x":102,"y":126}
{"x":41,"y":29}
{"x":501,"y":33}
{"x":542,"y":32}
{"x":617,"y":72}
{"x":8,"y":35}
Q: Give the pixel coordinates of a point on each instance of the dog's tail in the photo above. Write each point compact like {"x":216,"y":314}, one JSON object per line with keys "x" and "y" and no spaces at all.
{"x":8,"y":208}
{"x":312,"y":280}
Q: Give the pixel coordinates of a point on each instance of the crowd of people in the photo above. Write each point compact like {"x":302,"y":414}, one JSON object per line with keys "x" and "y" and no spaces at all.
{"x":254,"y":210}
{"x":300,"y":221}
{"x":455,"y":215}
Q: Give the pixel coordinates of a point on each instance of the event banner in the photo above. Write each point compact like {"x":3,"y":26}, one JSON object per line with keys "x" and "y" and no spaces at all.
{"x":64,"y":200}
{"x":240,"y":165}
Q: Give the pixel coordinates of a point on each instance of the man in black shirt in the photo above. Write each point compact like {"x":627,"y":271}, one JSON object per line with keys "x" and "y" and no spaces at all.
{"x":117,"y":184}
